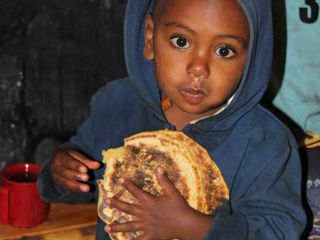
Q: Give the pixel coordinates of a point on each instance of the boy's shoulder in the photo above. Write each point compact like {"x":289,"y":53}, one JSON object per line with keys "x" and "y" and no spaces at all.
{"x":115,"y":86}
{"x":263,"y":125}
{"x":119,"y":90}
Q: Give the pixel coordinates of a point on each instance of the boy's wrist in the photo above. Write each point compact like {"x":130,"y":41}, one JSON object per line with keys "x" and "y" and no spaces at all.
{"x":195,"y":226}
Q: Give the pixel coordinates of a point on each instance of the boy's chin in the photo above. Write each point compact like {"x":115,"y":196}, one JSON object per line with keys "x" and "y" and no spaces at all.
{"x":200,"y":112}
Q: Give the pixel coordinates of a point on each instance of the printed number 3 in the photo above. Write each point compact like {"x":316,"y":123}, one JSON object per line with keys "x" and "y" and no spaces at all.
{"x":305,"y":15}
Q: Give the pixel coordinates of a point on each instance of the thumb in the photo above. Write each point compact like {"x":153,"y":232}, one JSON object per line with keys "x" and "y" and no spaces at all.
{"x":165,"y":183}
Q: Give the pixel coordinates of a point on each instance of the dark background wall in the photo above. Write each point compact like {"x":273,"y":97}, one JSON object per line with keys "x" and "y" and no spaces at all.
{"x":54,"y":54}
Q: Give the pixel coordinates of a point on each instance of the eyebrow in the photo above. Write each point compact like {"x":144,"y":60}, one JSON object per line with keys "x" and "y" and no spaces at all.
{"x":182,"y":26}
{"x":236,"y":37}
{"x":179,"y":25}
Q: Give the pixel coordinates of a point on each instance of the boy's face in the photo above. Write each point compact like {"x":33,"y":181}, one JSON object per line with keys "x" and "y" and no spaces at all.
{"x":200,"y":49}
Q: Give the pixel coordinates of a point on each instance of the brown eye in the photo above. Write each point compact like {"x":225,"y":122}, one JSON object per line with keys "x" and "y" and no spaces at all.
{"x":180,"y":42}
{"x":224,"y":52}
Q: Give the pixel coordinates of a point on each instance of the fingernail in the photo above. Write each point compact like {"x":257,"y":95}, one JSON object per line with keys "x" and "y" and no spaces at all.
{"x":107,"y":228}
{"x":84,"y":177}
{"x":97,"y":165}
{"x":84,"y":188}
{"x":83,"y":169}
{"x":121,"y":180}
{"x":160,"y":170}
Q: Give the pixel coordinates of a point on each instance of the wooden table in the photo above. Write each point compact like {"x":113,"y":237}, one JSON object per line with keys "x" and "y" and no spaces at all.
{"x":65,"y":222}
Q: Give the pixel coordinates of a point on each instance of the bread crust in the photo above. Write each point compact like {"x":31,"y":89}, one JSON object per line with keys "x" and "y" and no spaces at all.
{"x":188,"y":165}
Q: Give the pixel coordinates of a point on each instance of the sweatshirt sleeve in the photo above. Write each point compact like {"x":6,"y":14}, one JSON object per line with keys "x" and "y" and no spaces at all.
{"x":266,"y":207}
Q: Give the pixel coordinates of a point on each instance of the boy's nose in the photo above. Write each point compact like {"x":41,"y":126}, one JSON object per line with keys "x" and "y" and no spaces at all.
{"x":198,"y":67}
{"x":198,"y":71}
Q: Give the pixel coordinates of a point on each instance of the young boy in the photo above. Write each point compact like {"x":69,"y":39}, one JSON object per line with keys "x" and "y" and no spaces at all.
{"x":211,"y":59}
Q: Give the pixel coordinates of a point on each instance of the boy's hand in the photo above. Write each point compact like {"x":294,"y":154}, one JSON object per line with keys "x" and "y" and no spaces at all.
{"x":160,"y":217}
{"x":69,"y":169}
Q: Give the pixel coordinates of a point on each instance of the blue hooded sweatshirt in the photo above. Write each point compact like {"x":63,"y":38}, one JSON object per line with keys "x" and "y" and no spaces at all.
{"x":255,"y":152}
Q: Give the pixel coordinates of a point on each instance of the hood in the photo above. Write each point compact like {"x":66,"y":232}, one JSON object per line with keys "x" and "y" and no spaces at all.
{"x":256,"y":73}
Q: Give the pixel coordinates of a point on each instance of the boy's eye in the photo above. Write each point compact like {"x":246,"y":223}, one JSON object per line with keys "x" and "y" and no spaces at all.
{"x":224,"y":52}
{"x":180,"y":42}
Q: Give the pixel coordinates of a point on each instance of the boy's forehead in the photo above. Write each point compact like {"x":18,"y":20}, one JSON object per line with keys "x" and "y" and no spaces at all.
{"x":161,"y":6}
{"x":193,"y":11}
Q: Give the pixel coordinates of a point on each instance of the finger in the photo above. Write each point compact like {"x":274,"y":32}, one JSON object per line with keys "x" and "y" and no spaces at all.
{"x":72,"y":185}
{"x":165,"y":183}
{"x":124,"y":227}
{"x":131,"y":209}
{"x":73,"y":175}
{"x":88,"y":163}
{"x":67,"y":167}
{"x":64,"y":160}
{"x":134,"y":190}
{"x":74,"y":164}
{"x":144,"y":236}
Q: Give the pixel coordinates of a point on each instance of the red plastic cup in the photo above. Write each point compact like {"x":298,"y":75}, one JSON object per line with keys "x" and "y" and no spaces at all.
{"x":20,"y":202}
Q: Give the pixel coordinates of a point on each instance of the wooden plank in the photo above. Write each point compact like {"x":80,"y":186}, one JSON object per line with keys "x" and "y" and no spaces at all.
{"x":64,"y":220}
{"x":84,"y":233}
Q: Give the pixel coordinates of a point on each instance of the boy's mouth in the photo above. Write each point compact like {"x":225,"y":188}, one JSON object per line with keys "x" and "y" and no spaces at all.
{"x":193,"y":96}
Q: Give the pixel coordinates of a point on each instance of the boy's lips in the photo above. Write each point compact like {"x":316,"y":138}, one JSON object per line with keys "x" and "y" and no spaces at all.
{"x":193,"y":96}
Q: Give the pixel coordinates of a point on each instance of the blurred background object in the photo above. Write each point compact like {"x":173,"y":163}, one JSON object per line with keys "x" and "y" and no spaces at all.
{"x":294,"y":92}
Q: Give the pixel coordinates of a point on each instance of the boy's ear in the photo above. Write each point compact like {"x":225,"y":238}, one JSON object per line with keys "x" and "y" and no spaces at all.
{"x":148,"y":38}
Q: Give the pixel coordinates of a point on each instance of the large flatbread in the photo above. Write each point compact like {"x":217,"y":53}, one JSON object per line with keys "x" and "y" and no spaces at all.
{"x":187,"y":164}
